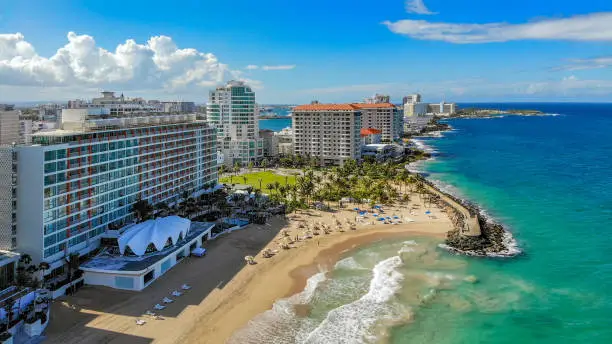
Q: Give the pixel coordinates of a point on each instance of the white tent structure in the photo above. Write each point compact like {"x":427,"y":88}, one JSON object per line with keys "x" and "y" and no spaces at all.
{"x":156,"y":232}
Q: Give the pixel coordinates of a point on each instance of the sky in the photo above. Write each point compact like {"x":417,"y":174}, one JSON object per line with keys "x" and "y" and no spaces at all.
{"x":294,"y":52}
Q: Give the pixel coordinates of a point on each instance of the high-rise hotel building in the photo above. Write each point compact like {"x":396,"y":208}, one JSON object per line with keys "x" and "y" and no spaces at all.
{"x":328,"y":132}
{"x":385,"y":117}
{"x":233,"y":112}
{"x":79,"y":181}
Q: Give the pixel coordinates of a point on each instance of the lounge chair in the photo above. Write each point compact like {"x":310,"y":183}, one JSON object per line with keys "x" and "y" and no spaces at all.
{"x":176,"y":293}
{"x":167,"y":300}
{"x":159,"y":307}
{"x":149,"y":313}
{"x":185,"y":287}
{"x":140,"y":322}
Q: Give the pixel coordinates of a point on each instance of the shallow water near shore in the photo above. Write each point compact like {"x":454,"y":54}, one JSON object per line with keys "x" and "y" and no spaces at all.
{"x":547,"y":179}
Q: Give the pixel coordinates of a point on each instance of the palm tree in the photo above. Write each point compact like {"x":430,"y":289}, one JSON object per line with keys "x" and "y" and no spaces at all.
{"x":250,"y":166}
{"x":270,"y":187}
{"x":265,"y":163}
{"x":143,"y":209}
{"x":222,"y":169}
{"x":244,"y":178}
{"x":43,"y":266}
{"x":73,"y":265}
{"x":237,"y":167}
{"x":260,"y":180}
{"x":25,"y":259}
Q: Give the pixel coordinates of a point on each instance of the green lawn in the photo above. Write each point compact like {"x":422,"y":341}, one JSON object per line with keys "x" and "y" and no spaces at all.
{"x":253,"y":179}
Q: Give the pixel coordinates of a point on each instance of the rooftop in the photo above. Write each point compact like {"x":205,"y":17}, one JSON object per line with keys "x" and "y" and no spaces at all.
{"x":115,"y":262}
{"x":370,"y":131}
{"x":374,"y":106}
{"x":342,"y":107}
{"x":325,"y":107}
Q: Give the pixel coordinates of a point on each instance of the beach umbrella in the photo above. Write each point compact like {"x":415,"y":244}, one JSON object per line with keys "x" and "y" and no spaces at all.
{"x":356,"y":209}
{"x":428,"y":212}
{"x":381,"y":219}
{"x":396,"y":217}
{"x":374,"y":214}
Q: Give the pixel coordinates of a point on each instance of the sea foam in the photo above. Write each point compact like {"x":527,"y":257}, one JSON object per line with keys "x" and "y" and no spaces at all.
{"x":354,"y":322}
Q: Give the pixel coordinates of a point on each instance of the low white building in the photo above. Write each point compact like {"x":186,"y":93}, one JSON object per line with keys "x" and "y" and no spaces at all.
{"x":381,"y":151}
{"x":144,"y":252}
{"x":414,"y":124}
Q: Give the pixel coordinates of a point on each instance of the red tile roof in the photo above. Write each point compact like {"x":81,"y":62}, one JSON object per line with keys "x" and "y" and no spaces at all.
{"x":370,"y":131}
{"x":374,"y":106}
{"x":325,"y":107}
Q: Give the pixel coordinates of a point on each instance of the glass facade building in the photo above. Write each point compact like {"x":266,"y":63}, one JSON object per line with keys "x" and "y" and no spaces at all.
{"x":80,"y":184}
{"x":232,"y":110}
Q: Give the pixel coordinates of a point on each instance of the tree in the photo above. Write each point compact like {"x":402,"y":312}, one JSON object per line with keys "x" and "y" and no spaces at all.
{"x":143,"y":209}
{"x":237,"y":167}
{"x":260,"y":180}
{"x":244,"y":178}
{"x":265,"y":163}
{"x":250,"y":166}
{"x":25,"y":259}
{"x":222,"y":169}
{"x":73,"y":265}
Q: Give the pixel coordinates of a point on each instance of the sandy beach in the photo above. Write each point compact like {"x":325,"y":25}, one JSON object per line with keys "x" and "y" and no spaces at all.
{"x":226,"y":293}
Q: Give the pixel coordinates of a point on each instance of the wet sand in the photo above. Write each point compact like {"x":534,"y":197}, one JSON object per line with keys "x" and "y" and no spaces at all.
{"x":226,"y":292}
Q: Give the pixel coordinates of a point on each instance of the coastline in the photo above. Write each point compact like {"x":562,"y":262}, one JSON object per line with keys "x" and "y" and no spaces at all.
{"x":494,"y":239}
{"x":226,"y":292}
{"x":241,"y":305}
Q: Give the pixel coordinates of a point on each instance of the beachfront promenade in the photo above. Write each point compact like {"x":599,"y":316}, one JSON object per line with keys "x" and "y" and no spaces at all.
{"x":471,"y":226}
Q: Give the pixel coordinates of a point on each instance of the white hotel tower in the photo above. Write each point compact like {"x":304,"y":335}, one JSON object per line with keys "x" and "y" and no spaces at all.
{"x":233,"y":112}
{"x":77,"y":182}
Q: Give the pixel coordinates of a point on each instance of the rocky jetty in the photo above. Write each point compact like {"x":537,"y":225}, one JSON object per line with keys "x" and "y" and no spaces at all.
{"x":493,"y":240}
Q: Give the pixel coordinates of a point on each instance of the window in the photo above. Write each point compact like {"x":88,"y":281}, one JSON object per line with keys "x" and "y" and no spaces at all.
{"x":125,"y":282}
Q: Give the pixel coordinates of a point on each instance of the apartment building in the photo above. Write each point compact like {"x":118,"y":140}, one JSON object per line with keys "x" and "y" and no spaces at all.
{"x":233,"y":112}
{"x":270,"y":143}
{"x":442,"y":109}
{"x":329,"y":132}
{"x":9,"y":127}
{"x":382,"y":116}
{"x":79,"y":181}
{"x":8,"y":198}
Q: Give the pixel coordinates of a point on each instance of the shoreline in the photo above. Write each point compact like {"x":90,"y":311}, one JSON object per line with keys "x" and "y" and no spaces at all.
{"x":299,"y":264}
{"x":328,"y":257}
{"x":495,"y":240}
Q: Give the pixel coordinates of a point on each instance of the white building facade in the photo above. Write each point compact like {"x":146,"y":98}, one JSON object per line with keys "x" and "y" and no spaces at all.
{"x":382,"y":116}
{"x":329,"y":132}
{"x":82,"y":180}
{"x":233,"y":112}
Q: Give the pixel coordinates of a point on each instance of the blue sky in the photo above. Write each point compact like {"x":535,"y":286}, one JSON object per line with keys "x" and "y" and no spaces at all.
{"x":294,"y":52}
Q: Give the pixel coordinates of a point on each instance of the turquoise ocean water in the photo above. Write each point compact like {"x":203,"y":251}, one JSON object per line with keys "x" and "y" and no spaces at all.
{"x":276,"y":124}
{"x":549,"y":180}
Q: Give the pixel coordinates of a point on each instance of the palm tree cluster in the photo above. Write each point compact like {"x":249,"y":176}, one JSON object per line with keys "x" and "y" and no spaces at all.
{"x":374,"y":182}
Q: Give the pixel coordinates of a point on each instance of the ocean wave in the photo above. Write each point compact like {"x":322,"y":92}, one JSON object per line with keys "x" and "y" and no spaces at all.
{"x":311,"y":287}
{"x":420,"y":144}
{"x":354,"y":322}
{"x":348,"y":264}
{"x":407,"y":247}
{"x":280,"y":324}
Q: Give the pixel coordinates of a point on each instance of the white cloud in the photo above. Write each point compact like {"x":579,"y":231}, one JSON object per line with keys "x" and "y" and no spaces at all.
{"x":583,"y":64}
{"x":251,"y":67}
{"x":590,"y":27}
{"x":473,"y":89}
{"x":418,"y":7}
{"x":157,"y":64}
{"x":280,"y":67}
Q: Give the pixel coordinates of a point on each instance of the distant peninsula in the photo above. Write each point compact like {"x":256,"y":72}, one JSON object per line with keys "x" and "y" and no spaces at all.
{"x":483,"y":113}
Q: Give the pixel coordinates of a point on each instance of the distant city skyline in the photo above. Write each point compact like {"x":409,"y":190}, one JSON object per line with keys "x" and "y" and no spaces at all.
{"x":479,"y":51}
